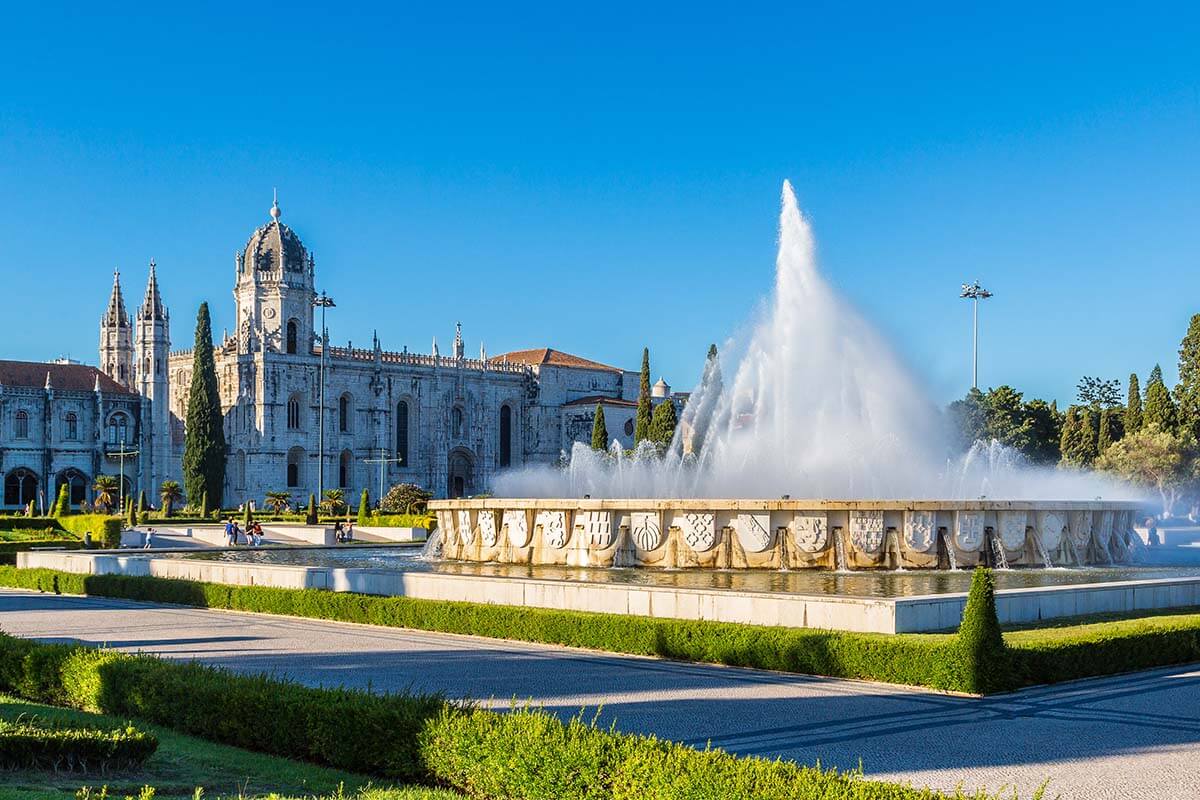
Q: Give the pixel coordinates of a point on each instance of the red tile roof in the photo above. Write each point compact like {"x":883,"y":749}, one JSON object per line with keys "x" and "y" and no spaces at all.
{"x":71,"y":377}
{"x":592,"y":400}
{"x":551,"y":357}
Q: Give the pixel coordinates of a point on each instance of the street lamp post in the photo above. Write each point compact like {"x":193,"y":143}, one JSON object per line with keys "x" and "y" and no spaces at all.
{"x":322,"y":301}
{"x":121,"y":454}
{"x":974,"y":292}
{"x":382,"y":461}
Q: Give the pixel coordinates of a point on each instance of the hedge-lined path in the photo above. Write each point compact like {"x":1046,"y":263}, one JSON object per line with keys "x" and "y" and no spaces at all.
{"x":1130,"y":736}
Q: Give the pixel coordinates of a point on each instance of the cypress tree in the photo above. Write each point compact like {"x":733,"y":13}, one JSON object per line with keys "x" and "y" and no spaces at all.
{"x":1105,"y":438}
{"x":641,"y":428}
{"x":130,"y":513}
{"x":1072,"y":433}
{"x":983,"y":655}
{"x":141,"y":506}
{"x":599,"y":431}
{"x":246,"y":516}
{"x":1187,"y":392}
{"x":1159,"y":408}
{"x":204,"y":504}
{"x":310,"y":518}
{"x":364,"y":507}
{"x":1089,"y":434}
{"x":62,"y":506}
{"x":204,"y":431}
{"x":1133,"y":406}
{"x":662,"y":426}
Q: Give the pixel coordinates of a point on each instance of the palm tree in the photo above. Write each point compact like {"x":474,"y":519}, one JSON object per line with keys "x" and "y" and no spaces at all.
{"x":171,"y":493}
{"x":279,"y":502}
{"x":334,"y":501}
{"x":106,"y":489}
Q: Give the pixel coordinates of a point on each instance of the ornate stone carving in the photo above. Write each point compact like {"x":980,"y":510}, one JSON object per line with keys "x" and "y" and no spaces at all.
{"x":554,"y":527}
{"x":1012,"y":529}
{"x":597,"y":527}
{"x":487,"y":528}
{"x":646,"y":529}
{"x":466,"y":531}
{"x":968,"y":530}
{"x":810,"y":531}
{"x":1050,"y":526}
{"x":754,"y":531}
{"x":920,"y":530}
{"x":1103,"y":527}
{"x":1079,"y":524}
{"x":516,"y":523}
{"x":866,"y":530}
{"x":700,"y":531}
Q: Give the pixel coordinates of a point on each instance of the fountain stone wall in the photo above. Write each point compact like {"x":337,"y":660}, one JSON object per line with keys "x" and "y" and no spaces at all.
{"x":784,"y":534}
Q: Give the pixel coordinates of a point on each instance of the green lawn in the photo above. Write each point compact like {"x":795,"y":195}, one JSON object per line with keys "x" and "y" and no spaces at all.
{"x":183,"y":763}
{"x":1070,"y":628}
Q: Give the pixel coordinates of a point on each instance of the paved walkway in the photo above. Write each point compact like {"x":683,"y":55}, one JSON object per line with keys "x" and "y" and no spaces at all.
{"x":1128,"y":737}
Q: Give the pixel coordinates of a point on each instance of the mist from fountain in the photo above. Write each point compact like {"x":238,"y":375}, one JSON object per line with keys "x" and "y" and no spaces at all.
{"x":819,"y":406}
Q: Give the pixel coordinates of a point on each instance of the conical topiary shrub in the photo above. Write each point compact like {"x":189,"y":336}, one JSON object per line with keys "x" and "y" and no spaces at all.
{"x":311,"y":517}
{"x":984,"y":664}
{"x":364,"y":508}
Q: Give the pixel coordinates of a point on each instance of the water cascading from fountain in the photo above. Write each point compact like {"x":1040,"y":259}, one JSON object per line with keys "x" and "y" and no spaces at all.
{"x":998,"y":551}
{"x":1041,"y":548}
{"x":839,"y":552}
{"x":818,"y":406}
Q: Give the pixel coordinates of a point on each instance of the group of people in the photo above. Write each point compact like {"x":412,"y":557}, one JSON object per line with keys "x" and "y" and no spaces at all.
{"x":343,"y":533}
{"x":253,"y":533}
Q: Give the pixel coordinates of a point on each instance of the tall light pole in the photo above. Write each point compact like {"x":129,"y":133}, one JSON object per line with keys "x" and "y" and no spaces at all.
{"x":322,"y":301}
{"x":974,"y":292}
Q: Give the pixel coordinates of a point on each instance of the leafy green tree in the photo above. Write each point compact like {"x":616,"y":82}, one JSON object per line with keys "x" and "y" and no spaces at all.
{"x":1187,"y":391}
{"x":641,"y":429}
{"x":1004,"y":415}
{"x":171,"y":493}
{"x":662,"y":426}
{"x":310,"y":517}
{"x":105,"y":489}
{"x":405,"y":498}
{"x":1099,"y":393}
{"x":1159,"y":408}
{"x":967,"y":419}
{"x":1043,"y":430}
{"x":1156,"y":458}
{"x":599,"y":430}
{"x":1133,"y":406}
{"x":204,"y":431}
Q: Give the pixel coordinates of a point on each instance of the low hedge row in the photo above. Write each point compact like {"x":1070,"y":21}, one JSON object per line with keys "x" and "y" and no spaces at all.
{"x":30,"y":745}
{"x":525,"y":754}
{"x":933,"y":661}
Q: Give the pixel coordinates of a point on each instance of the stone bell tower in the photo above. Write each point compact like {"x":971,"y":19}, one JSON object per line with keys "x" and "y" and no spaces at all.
{"x":152,"y":343}
{"x":116,"y":338}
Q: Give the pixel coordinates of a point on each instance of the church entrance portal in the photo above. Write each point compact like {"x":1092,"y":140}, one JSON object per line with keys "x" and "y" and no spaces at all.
{"x":461,"y":474}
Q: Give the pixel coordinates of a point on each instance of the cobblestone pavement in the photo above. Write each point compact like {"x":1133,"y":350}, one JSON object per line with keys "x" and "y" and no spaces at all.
{"x":1135,"y":736}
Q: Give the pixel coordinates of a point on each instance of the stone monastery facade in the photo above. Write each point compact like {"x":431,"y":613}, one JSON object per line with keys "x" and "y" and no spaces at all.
{"x":445,"y":421}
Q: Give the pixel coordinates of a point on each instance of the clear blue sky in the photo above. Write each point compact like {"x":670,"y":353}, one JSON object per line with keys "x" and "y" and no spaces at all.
{"x":599,"y":180}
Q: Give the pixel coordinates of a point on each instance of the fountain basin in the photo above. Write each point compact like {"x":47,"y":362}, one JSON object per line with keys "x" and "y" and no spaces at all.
{"x":786,"y":533}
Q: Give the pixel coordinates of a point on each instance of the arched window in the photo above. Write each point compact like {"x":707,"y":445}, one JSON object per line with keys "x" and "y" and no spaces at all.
{"x":294,"y":464}
{"x":402,"y":432}
{"x":118,"y":429}
{"x":505,"y":435}
{"x":76,"y":482}
{"x":293,"y":335}
{"x":344,"y":413}
{"x":71,"y":427}
{"x":20,"y":487}
{"x":293,"y":413}
{"x":345,"y":466}
{"x":456,"y":422}
{"x":21,"y":425}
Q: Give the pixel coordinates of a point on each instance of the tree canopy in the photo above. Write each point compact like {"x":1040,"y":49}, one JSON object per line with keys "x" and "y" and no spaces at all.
{"x":204,"y":429}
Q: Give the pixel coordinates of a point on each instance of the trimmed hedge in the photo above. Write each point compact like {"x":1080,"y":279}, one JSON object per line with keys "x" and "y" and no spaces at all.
{"x":526,"y":753}
{"x":9,"y":550}
{"x":910,"y":659}
{"x":426,"y":521}
{"x":28,"y":745}
{"x":105,"y":529}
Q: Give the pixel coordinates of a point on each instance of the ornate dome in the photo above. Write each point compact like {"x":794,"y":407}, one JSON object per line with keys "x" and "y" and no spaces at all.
{"x":275,"y":245}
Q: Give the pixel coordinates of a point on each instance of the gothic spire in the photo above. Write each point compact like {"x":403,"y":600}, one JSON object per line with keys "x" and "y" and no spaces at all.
{"x":114,"y":315}
{"x":275,"y":204}
{"x":152,"y":305}
{"x":458,"y":340}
